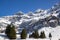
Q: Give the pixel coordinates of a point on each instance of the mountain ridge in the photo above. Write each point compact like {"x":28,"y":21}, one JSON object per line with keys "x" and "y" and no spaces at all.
{"x":33,"y":20}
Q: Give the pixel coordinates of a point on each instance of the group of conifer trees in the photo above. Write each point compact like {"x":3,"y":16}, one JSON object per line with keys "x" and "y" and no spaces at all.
{"x":36,"y":35}
{"x":11,"y":33}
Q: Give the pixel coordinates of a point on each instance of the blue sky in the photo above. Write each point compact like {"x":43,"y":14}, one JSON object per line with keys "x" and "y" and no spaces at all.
{"x":9,"y":7}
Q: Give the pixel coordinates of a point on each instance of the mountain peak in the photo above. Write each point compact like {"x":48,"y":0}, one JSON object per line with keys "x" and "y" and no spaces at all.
{"x":39,"y":10}
{"x":56,"y":5}
{"x":30,"y":13}
{"x":19,"y":13}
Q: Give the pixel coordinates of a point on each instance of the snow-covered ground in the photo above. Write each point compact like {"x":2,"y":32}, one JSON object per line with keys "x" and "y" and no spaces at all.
{"x":55,"y":32}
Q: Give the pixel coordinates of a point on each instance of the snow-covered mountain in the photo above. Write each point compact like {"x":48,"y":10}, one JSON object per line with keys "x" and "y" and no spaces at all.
{"x":42,"y":20}
{"x":33,"y":20}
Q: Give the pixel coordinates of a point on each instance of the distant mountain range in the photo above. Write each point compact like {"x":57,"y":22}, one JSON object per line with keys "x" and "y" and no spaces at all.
{"x":33,"y":20}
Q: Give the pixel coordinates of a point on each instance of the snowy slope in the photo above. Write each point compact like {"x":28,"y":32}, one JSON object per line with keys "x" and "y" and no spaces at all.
{"x":54,"y":31}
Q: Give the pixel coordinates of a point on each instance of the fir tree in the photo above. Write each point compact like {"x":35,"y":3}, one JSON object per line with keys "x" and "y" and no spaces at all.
{"x":50,"y":36}
{"x":23,"y":34}
{"x":42,"y":35}
{"x":36,"y":35}
{"x":7,"y":31}
{"x":10,"y":31}
{"x":13,"y":33}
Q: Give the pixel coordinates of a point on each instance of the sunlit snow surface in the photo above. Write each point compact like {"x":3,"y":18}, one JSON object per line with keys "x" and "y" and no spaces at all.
{"x":54,"y":31}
